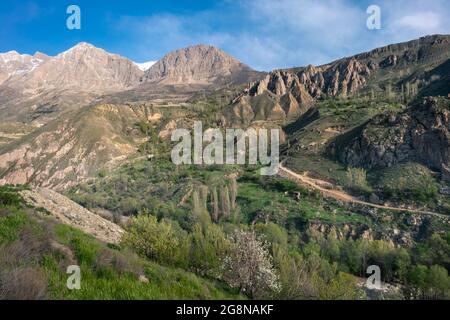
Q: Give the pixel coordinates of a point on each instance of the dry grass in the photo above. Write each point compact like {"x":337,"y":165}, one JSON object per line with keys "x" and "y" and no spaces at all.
{"x":120,"y":262}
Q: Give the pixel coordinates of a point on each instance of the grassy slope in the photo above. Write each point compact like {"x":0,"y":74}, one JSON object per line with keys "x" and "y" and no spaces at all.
{"x":107,"y":272}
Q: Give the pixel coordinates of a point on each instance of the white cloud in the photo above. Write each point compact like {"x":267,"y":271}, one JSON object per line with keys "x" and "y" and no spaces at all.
{"x":426,"y":21}
{"x":269,"y":34}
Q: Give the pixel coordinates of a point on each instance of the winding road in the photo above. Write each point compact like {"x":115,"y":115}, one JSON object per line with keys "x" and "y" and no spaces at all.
{"x":342,"y":195}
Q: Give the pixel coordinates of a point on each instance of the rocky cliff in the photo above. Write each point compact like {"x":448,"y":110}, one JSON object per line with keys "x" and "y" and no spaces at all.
{"x":68,"y":212}
{"x":278,"y":97}
{"x":421,"y":133}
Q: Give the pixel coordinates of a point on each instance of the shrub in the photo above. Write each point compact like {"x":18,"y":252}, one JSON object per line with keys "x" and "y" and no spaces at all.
{"x":295,"y":275}
{"x":158,"y":241}
{"x":120,"y":262}
{"x":409,"y":181}
{"x":357,"y":180}
{"x":130,"y":206}
{"x":22,"y":283}
{"x":208,"y":246}
{"x":273,"y":233}
{"x":9,"y":197}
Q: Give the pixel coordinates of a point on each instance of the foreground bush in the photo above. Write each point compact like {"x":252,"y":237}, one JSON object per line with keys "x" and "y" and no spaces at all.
{"x":156,"y":240}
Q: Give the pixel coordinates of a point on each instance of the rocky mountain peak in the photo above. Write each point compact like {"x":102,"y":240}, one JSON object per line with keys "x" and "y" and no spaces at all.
{"x":200,"y":65}
{"x":83,"y":67}
{"x":13,"y":63}
{"x":82,"y":49}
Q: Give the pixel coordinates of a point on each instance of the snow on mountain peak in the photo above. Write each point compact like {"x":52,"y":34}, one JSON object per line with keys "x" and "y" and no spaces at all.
{"x":144,"y":66}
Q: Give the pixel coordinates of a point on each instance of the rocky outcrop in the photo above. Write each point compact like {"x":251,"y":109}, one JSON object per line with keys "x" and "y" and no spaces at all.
{"x":283,"y":95}
{"x":347,"y":76}
{"x":199,"y":65}
{"x":278,"y":97}
{"x":421,"y":133}
{"x":344,"y":78}
{"x":340,"y":232}
{"x":68,"y":212}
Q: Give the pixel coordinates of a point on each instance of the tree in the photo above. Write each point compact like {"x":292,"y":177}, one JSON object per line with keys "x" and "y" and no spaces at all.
{"x":330,"y":246}
{"x":428,"y":283}
{"x":208,"y":247}
{"x":248,"y":266}
{"x":199,"y":208}
{"x":341,"y":287}
{"x":225,"y":202}
{"x":295,"y":275}
{"x":354,"y":255}
{"x":416,"y":281}
{"x":402,"y":261}
{"x":437,"y":282}
{"x":389,"y":92}
{"x":357,"y":179}
{"x":215,"y":204}
{"x":233,"y":192}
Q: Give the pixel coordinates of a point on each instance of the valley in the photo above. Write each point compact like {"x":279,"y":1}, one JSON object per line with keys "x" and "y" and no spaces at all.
{"x":363,"y":177}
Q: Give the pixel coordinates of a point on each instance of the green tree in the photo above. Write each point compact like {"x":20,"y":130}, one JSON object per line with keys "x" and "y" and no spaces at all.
{"x":402,"y":262}
{"x":208,"y":247}
{"x":437,"y":282}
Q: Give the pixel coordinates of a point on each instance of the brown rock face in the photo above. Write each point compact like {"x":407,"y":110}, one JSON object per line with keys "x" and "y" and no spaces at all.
{"x":421,"y":133}
{"x":199,"y":65}
{"x":66,"y":211}
{"x":278,"y":97}
{"x":339,"y":79}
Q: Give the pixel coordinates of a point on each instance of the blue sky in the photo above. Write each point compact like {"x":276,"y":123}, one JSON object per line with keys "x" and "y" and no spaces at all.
{"x":264,"y":34}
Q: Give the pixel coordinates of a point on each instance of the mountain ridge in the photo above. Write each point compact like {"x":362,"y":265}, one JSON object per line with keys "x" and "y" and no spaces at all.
{"x":198,"y":65}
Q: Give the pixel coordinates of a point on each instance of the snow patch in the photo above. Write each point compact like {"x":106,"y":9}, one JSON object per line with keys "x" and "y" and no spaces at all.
{"x":144,"y":66}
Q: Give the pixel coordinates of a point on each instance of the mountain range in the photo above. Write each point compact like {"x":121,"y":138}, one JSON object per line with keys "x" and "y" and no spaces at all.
{"x":42,"y":87}
{"x":54,"y":93}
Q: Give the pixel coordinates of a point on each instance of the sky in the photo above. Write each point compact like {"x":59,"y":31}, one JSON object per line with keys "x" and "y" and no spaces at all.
{"x":265,"y":34}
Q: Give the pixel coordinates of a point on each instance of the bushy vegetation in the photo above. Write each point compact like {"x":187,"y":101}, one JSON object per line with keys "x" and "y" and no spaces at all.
{"x":193,"y":230}
{"x":409,"y":181}
{"x":188,"y":217}
{"x":357,"y":180}
{"x":156,"y":240}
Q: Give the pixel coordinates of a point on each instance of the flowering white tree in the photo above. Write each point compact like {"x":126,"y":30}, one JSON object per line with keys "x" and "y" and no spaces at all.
{"x":248,"y":266}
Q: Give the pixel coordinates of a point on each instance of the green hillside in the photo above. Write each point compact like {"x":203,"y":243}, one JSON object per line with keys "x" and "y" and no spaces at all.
{"x":36,"y":251}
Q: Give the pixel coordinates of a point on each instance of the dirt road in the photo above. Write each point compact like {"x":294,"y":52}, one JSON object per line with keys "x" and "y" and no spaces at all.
{"x":342,"y":195}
